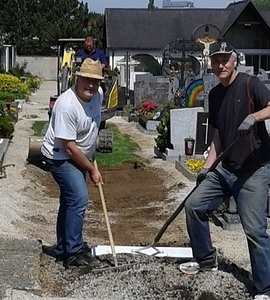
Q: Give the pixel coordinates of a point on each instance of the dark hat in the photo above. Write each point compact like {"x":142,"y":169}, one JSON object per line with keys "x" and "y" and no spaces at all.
{"x":221,"y":48}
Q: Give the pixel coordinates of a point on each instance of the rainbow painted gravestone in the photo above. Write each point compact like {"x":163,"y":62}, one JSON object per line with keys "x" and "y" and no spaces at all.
{"x":192,"y":92}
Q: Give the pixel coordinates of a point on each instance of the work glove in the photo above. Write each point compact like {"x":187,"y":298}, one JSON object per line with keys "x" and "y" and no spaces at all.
{"x":246,"y":126}
{"x":201,"y":176}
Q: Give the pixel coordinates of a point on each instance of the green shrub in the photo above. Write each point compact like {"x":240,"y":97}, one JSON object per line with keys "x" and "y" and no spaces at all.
{"x":29,"y":83}
{"x":163,"y":140}
{"x":33,"y":82}
{"x":6,"y":122}
{"x":3,"y":109}
{"x":6,"y":127}
{"x":19,"y":70}
{"x":12,"y":84}
{"x":10,"y":97}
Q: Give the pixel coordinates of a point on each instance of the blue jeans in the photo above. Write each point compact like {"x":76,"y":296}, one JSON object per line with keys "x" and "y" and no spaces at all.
{"x":250,"y":191}
{"x":73,"y":201}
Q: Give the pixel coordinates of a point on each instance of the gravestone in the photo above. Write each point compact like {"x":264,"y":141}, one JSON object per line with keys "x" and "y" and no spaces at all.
{"x":183,"y":122}
{"x":209,"y":81}
{"x":151,"y":88}
{"x":204,"y":133}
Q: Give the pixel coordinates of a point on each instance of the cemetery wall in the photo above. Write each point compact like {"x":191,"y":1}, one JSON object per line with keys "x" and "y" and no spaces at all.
{"x":41,"y":66}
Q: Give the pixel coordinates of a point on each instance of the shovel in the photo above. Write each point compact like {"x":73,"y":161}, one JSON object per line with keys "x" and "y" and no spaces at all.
{"x":182,"y":205}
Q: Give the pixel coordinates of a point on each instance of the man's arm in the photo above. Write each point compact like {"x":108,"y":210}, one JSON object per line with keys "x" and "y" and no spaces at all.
{"x":246,"y":126}
{"x":215,"y":149}
{"x":262,"y":114}
{"x":81,"y":160}
{"x":102,"y":58}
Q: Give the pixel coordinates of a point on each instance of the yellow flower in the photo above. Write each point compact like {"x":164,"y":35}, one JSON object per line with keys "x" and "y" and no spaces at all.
{"x":195,"y":165}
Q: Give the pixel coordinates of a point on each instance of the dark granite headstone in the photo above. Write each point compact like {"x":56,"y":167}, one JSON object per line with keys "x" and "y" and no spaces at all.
{"x":203,"y":134}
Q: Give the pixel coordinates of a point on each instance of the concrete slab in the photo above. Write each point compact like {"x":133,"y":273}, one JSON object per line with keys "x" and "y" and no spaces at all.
{"x":219,"y":220}
{"x":167,"y":156}
{"x":145,"y":131}
{"x":19,"y":265}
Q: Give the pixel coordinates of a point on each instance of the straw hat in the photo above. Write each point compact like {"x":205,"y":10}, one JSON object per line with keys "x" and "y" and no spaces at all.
{"x":90,"y":69}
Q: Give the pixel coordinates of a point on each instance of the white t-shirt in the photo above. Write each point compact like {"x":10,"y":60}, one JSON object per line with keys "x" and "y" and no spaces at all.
{"x":72,"y":119}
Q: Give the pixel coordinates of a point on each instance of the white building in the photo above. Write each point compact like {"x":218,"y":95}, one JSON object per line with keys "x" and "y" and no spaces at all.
{"x":176,"y":4}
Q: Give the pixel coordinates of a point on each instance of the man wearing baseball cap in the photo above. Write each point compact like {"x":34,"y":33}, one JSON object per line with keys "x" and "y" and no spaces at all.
{"x":238,"y":107}
{"x":68,"y":147}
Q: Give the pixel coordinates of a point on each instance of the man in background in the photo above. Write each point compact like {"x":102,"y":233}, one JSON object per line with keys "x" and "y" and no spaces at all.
{"x":90,"y":51}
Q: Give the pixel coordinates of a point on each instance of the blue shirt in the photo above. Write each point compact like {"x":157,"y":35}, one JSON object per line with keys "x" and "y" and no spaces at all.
{"x":96,"y":54}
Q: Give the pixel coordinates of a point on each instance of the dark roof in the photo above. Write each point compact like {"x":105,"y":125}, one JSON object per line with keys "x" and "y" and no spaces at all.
{"x":266,"y":16}
{"x":153,"y":29}
{"x":235,"y":9}
{"x":131,"y":28}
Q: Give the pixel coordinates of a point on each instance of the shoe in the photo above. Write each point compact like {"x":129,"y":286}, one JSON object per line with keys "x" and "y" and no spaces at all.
{"x":87,"y":250}
{"x":191,"y":268}
{"x":80,"y":259}
{"x":50,"y":250}
{"x":262,"y":297}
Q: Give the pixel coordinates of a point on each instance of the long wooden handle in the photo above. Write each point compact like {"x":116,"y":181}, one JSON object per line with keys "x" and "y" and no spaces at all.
{"x":106,"y":218}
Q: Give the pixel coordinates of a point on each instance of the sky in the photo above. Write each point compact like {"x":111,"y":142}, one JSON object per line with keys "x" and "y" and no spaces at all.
{"x":98,"y":6}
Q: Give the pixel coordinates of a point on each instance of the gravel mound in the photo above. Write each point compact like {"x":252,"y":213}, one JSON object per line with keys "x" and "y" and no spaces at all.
{"x":161,"y":279}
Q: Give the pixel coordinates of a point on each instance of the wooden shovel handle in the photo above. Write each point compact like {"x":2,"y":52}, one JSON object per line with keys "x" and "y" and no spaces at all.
{"x":106,"y":218}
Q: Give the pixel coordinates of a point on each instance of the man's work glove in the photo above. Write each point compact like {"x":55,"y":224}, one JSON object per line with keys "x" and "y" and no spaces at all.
{"x":246,"y":126}
{"x":201,"y":176}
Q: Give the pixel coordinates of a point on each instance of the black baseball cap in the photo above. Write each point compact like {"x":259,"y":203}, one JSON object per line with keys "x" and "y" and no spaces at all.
{"x":221,"y":48}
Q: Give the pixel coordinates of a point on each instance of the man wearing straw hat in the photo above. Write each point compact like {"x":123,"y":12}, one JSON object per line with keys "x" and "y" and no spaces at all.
{"x":68,"y":147}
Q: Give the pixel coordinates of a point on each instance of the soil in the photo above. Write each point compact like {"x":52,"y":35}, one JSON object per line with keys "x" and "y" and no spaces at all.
{"x":136,"y":201}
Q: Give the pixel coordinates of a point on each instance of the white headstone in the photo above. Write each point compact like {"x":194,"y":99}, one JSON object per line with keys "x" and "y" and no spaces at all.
{"x":183,"y":122}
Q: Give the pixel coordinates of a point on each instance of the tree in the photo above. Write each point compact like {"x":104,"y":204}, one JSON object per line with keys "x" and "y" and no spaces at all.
{"x":34,"y":26}
{"x":261,"y":4}
{"x":95,"y":28}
